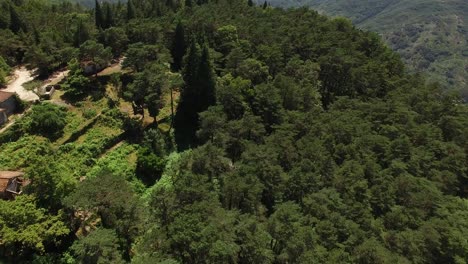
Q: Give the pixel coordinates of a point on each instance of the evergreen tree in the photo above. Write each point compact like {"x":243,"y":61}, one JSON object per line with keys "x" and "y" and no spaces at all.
{"x":98,"y":15}
{"x":207,"y":81}
{"x":198,"y":94}
{"x":81,"y":34}
{"x":109,"y":18}
{"x":265,"y":5}
{"x":16,"y":23}
{"x":250,"y":3}
{"x":130,"y":10}
{"x":178,"y":47}
{"x":188,"y":3}
{"x":37,"y":36}
{"x":170,"y":4}
{"x":185,"y":121}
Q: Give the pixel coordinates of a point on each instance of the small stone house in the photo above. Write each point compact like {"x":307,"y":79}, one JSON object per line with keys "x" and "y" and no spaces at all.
{"x":11,"y":184}
{"x":7,"y":105}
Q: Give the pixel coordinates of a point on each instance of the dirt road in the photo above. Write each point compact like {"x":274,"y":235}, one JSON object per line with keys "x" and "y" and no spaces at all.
{"x":22,"y":76}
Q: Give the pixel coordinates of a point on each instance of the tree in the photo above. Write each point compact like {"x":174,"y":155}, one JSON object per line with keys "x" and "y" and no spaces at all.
{"x":98,"y":15}
{"x":4,"y":71}
{"x":147,"y":89}
{"x":190,"y":219}
{"x":26,"y":228}
{"x":111,"y":199}
{"x":96,"y":54}
{"x":212,"y":125}
{"x":39,"y":60}
{"x":81,"y":34}
{"x":4,"y":66}
{"x":76,"y":84}
{"x":47,"y":120}
{"x":178,"y":47}
{"x":290,"y":239}
{"x":109,"y":16}
{"x":250,"y":3}
{"x":207,"y":79}
{"x":2,"y":78}
{"x":116,"y":39}
{"x":100,"y":246}
{"x":138,"y":55}
{"x":230,"y":95}
{"x":198,"y":94}
{"x":254,"y":240}
{"x":48,"y":184}
{"x":16,"y":23}
{"x":150,"y":166}
{"x":227,"y":39}
{"x":253,"y":70}
{"x":130,"y":10}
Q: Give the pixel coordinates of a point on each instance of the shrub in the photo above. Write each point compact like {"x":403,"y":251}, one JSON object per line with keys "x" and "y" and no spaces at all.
{"x":47,"y":120}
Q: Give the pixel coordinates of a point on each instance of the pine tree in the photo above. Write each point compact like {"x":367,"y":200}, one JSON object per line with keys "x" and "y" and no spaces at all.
{"x":130,"y":10}
{"x":170,"y":4}
{"x":98,"y":15}
{"x":250,"y":3}
{"x":206,"y":81}
{"x":185,"y":122}
{"x":37,"y":36}
{"x":81,"y":34}
{"x":198,"y":94}
{"x":178,"y":47}
{"x":191,"y":63}
{"x":265,"y":5}
{"x":109,"y":21}
{"x":16,"y":24}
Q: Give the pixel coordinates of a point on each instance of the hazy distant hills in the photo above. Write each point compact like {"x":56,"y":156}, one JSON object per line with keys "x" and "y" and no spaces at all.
{"x":430,"y":35}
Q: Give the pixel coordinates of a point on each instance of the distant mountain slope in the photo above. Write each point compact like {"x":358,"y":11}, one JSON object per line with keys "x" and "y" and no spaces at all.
{"x":430,"y":35}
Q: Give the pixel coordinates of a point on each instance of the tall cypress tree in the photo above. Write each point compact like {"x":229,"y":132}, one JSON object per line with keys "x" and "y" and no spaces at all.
{"x":198,"y":94}
{"x":81,"y":34}
{"x":109,"y":21}
{"x":191,"y":63}
{"x":250,"y":3}
{"x":185,"y":121}
{"x":16,"y":24}
{"x":265,"y":5}
{"x":179,"y":47}
{"x":206,"y":81}
{"x":130,"y":10}
{"x":98,"y":16}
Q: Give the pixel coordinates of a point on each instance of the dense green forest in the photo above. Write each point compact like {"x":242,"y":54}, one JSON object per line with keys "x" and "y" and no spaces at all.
{"x":232,"y":133}
{"x":430,"y":35}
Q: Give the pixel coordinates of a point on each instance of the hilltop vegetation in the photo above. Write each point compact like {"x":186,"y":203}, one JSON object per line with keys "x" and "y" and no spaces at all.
{"x":230,"y":134}
{"x":430,"y":35}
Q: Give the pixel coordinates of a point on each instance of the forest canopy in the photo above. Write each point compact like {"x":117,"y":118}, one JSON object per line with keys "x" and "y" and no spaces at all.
{"x":229,"y":133}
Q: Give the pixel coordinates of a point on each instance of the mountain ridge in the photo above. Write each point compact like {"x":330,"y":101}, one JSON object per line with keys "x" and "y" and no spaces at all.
{"x":431,"y":36}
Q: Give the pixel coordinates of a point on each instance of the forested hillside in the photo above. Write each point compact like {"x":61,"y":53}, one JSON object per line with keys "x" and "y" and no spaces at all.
{"x":430,"y":35}
{"x":224,"y":132}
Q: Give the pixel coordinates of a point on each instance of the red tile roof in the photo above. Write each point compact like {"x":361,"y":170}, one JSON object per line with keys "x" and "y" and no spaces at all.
{"x":5,"y":177}
{"x":5,"y":96}
{"x":10,"y":174}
